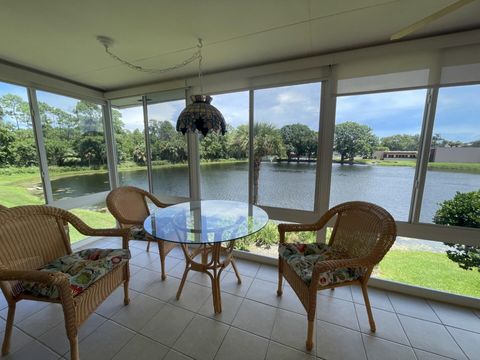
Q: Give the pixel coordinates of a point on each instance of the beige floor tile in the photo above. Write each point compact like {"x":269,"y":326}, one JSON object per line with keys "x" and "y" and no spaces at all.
{"x":18,"y":340}
{"x":289,"y":301}
{"x":177,"y":252}
{"x":134,"y":269}
{"x":164,"y":290}
{"x":3,"y":302}
{"x":430,"y":337}
{"x":199,"y":278}
{"x":268,"y":273}
{"x":412,"y":306}
{"x":24,"y":309}
{"x":175,"y":355}
{"x":290,"y":329}
{"x":456,"y":316}
{"x":240,"y":345}
{"x":144,"y":279}
{"x":33,"y":350}
{"x":167,"y":325}
{"x":138,"y":312}
{"x":114,"y":302}
{"x":230,"y":285}
{"x":378,"y":298}
{"x":379,"y":349}
{"x":170,"y":263}
{"x":388,"y":325}
{"x":56,"y":338}
{"x":145,"y":258}
{"x":256,"y":318}
{"x":245,"y":267}
{"x":425,"y":355}
{"x":193,"y":296}
{"x":202,"y":338}
{"x":141,"y":348}
{"x":468,"y":342}
{"x":336,"y":311}
{"x":343,"y":293}
{"x":338,"y":343}
{"x":43,"y":320}
{"x":230,"y":306}
{"x":280,"y":352}
{"x":104,"y":342}
{"x":264,"y":292}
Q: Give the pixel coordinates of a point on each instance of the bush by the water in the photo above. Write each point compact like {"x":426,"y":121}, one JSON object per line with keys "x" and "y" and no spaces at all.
{"x":462,"y":210}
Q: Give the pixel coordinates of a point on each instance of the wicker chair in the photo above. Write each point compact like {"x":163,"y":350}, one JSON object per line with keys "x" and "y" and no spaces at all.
{"x":34,"y":236}
{"x":129,"y":206}
{"x":362,"y":234}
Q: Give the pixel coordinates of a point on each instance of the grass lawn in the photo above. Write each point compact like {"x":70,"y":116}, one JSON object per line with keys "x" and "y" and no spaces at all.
{"x":430,"y":270}
{"x":95,"y":219}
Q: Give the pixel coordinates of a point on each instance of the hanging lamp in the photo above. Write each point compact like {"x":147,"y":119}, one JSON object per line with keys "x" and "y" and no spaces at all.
{"x":201,"y":116}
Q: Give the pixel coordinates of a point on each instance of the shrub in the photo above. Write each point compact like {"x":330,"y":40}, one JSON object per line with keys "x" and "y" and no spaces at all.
{"x":462,"y":210}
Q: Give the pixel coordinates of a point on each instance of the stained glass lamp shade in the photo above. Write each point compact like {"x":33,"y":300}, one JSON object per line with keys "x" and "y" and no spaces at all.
{"x":201,"y":116}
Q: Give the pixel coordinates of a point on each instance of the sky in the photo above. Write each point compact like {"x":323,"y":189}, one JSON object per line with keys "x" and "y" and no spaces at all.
{"x":400,"y":112}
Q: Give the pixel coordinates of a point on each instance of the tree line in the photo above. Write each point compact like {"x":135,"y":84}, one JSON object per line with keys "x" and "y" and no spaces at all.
{"x":75,"y":138}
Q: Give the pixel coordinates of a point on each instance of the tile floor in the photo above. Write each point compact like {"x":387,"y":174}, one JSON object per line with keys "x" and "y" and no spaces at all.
{"x":254,"y":324}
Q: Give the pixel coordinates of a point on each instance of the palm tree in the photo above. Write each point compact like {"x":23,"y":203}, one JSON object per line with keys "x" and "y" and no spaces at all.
{"x":267,"y":141}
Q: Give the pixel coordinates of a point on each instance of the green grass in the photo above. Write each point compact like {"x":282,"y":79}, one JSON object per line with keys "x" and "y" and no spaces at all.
{"x":96,"y":219}
{"x":430,"y":270}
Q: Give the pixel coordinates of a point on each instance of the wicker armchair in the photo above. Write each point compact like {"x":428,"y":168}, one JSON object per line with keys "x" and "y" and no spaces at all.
{"x":128,"y":204}
{"x":362,"y":234}
{"x":32,"y":237}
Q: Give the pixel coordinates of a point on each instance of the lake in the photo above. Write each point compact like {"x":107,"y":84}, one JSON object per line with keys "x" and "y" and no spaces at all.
{"x":290,"y":185}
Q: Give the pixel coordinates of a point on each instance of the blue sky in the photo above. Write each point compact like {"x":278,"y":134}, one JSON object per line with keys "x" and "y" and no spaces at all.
{"x":401,"y":112}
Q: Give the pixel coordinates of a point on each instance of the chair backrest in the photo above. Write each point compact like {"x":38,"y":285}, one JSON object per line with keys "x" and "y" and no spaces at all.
{"x":362,"y":230}
{"x":31,"y":236}
{"x":128,"y":205}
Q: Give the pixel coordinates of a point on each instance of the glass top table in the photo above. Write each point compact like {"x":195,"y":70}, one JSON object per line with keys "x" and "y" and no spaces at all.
{"x":207,"y":230}
{"x":206,"y":221}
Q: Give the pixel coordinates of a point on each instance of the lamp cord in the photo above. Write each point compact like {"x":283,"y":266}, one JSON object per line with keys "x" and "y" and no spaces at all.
{"x":196,"y":55}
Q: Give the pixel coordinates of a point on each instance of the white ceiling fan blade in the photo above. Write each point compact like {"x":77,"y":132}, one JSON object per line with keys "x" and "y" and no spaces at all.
{"x":427,"y":20}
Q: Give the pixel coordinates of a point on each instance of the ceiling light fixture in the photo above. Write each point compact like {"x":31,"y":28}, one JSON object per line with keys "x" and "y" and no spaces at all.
{"x":199,"y":116}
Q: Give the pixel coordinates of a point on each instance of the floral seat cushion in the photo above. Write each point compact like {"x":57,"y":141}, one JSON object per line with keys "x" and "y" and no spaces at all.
{"x":303,"y":257}
{"x":83,"y":268}
{"x":137,"y":232}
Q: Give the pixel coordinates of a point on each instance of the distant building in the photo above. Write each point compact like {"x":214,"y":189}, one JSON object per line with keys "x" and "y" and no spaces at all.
{"x":456,"y":154}
{"x":393,"y":155}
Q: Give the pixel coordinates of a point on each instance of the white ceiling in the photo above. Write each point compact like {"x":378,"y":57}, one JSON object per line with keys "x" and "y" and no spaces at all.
{"x":59,"y":36}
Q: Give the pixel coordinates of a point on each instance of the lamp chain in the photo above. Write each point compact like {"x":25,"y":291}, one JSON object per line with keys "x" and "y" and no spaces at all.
{"x":200,"y":58}
{"x":196,"y":55}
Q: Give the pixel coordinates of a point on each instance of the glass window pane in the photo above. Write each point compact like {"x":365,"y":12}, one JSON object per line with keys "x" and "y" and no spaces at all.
{"x":75,"y":145}
{"x":169,"y":149}
{"x":454,"y":163}
{"x":129,"y":127}
{"x":224,"y":158}
{"x":285,"y":145}
{"x":20,"y":182}
{"x":375,"y":149}
{"x":96,"y":216}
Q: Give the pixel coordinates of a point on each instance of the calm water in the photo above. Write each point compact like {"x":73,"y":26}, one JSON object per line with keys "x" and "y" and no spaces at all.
{"x":291,"y":185}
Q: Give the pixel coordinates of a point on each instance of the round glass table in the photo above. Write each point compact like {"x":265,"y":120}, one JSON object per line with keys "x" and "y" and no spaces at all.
{"x":206,"y":229}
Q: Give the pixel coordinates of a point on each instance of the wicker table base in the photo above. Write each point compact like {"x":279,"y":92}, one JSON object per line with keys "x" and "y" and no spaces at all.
{"x":214,"y":259}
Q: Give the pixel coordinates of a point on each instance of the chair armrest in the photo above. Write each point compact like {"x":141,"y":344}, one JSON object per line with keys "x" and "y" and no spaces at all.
{"x":46,"y":277}
{"x":87,"y":230}
{"x":155,"y":200}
